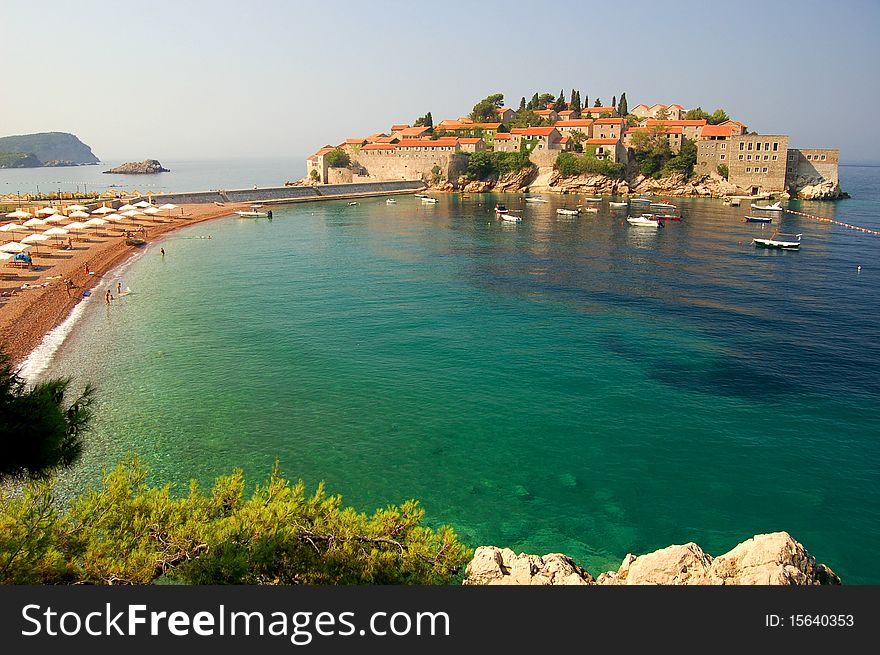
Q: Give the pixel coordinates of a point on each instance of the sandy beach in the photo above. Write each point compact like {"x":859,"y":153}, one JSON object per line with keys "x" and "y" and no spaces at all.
{"x":28,"y":314}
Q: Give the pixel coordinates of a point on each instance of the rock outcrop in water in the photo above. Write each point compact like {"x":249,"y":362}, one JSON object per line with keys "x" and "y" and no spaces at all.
{"x":145,"y":167}
{"x":766,"y":559}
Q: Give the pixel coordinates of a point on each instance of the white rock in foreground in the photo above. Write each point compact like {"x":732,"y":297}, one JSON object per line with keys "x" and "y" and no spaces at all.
{"x":766,"y":559}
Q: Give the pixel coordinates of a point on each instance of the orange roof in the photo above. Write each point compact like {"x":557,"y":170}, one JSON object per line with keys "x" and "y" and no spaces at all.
{"x":414,"y":131}
{"x":385,"y":139}
{"x":470,"y":140}
{"x":566,"y":112}
{"x":379,"y":146}
{"x":717,"y":130}
{"x":598,"y":110}
{"x":608,"y":121}
{"x":501,"y":136}
{"x":372,"y":138}
{"x":427,"y":143}
{"x":642,"y":105}
{"x":465,"y":119}
{"x":355,"y":141}
{"x":675,"y":107}
{"x":324,"y":151}
{"x":576,"y":122}
{"x":399,"y":126}
{"x":601,"y":142}
{"x":501,"y":110}
{"x":543,"y":112}
{"x":455,"y":125}
{"x":564,"y":139}
{"x":664,"y":130}
{"x":654,"y":121}
{"x":533,"y":131}
{"x":730,"y":122}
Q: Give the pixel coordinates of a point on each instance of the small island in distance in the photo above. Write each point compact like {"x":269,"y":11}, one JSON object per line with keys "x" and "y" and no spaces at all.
{"x":146,"y":167}
{"x":44,"y":149}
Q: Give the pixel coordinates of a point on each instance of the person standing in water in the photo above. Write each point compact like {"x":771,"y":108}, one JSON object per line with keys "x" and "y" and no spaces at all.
{"x":162,"y":250}
{"x":108,"y":297}
{"x":118,"y":288}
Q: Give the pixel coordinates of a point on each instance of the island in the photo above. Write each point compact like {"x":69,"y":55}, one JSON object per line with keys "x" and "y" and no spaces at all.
{"x":564,"y":144}
{"x":145,"y":167}
{"x":44,"y":149}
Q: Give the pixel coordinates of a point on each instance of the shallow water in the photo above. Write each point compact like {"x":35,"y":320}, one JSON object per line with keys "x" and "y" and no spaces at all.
{"x":573,"y":385}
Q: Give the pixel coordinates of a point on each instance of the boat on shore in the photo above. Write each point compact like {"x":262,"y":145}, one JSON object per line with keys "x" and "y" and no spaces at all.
{"x":775,"y":207}
{"x":780,"y":241}
{"x":641,"y":221}
{"x":758,"y":219}
{"x":568,"y":212}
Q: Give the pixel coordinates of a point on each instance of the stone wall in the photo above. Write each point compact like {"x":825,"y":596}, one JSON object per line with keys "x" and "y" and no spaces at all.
{"x":393,"y":165}
{"x":287,"y":194}
{"x":806,"y":167}
{"x":541,"y":158}
{"x":339,"y":176}
{"x":757,"y":161}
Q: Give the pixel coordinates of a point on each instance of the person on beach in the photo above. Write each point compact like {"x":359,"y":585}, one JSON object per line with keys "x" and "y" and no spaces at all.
{"x":162,"y":250}
{"x":108,"y":297}
{"x":118,"y":288}
{"x":68,"y":285}
{"x":88,"y":270}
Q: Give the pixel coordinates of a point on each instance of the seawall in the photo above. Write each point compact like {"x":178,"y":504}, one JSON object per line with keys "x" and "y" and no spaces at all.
{"x":290,"y":194}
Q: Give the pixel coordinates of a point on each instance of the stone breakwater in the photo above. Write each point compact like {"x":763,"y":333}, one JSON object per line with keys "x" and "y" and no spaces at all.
{"x":765,"y":559}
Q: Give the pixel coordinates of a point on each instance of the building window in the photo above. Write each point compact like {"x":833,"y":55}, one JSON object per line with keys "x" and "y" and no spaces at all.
{"x":749,"y":157}
{"x":723,"y":146}
{"x":774,"y":157}
{"x":790,"y":169}
{"x":740,"y":157}
{"x":823,"y":157}
{"x":766,"y":157}
{"x":809,"y":157}
{"x":722,"y":157}
{"x":764,"y":170}
{"x":748,"y":170}
{"x":775,"y":146}
{"x":742,"y":146}
{"x":791,"y":156}
{"x":750,"y":145}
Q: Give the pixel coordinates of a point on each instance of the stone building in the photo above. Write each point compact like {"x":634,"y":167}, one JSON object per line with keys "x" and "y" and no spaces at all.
{"x":412,"y":159}
{"x":806,"y":167}
{"x":549,"y":114}
{"x":691,"y":130}
{"x":671,"y":112}
{"x":537,"y":138}
{"x":608,"y":128}
{"x":757,"y":162}
{"x":674,"y":136}
{"x":471,"y":144}
{"x":611,"y":149}
{"x":596,"y":112}
{"x":505,"y":114}
{"x":316,"y":163}
{"x":505,"y":142}
{"x":583,"y":125}
{"x":565,"y":115}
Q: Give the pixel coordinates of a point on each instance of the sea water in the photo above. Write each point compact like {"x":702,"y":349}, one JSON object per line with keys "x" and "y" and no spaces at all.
{"x":561,"y":384}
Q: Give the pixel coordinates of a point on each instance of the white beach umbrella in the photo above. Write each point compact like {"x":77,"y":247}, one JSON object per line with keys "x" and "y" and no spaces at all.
{"x":33,"y":222}
{"x":125,"y":208}
{"x":18,"y":214}
{"x":78,"y":214}
{"x":132,"y":212}
{"x":143,"y":203}
{"x":47,"y":211}
{"x":14,"y":246}
{"x":55,"y":232}
{"x":104,"y":210}
{"x":168,"y":206}
{"x":33,"y":238}
{"x":6,"y":256}
{"x":114,"y":217}
{"x":75,"y":208}
{"x":95,"y":222}
{"x":10,"y":227}
{"x":75,"y":226}
{"x":151,"y":210}
{"x":54,"y":219}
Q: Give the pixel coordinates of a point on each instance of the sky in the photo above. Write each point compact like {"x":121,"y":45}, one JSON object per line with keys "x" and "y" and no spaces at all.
{"x":230,"y":80}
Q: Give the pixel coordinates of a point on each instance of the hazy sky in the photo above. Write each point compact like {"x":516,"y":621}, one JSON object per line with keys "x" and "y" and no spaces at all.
{"x":174,"y":80}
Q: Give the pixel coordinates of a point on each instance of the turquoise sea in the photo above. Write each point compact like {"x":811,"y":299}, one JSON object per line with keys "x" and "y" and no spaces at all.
{"x":557,"y":385}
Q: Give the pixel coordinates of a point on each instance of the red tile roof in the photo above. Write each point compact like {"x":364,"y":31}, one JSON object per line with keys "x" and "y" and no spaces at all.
{"x":414,"y":131}
{"x":566,"y":112}
{"x":543,"y":112}
{"x":427,"y":143}
{"x":601,"y":142}
{"x":576,"y":122}
{"x":355,"y":141}
{"x":717,"y":130}
{"x":385,"y":139}
{"x":501,"y":110}
{"x":399,"y":126}
{"x":564,"y":139}
{"x":324,"y":150}
{"x":379,"y":146}
{"x":665,"y":130}
{"x":470,"y":140}
{"x":455,"y":125}
{"x":670,"y":123}
{"x":608,"y":121}
{"x":372,"y":138}
{"x":533,"y":131}
{"x":501,"y":136}
{"x":598,"y":110}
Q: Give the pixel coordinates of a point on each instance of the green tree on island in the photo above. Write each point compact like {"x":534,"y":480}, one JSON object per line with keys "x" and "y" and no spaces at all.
{"x":337,"y":158}
{"x":522,"y":104}
{"x":484,"y":110}
{"x":622,"y":107}
{"x":40,"y":432}
{"x":545,"y":99}
{"x":576,"y":106}
{"x":715,"y":118}
{"x":559,"y":103}
{"x":424,"y":121}
{"x":598,"y":103}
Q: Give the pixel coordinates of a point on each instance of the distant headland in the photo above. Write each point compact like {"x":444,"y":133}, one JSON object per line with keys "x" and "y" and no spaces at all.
{"x":44,"y":149}
{"x":551,"y":143}
{"x":145,"y":167}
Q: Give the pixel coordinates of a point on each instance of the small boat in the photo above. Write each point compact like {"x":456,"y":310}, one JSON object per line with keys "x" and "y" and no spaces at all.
{"x":641,"y":221}
{"x":663,"y":205}
{"x":429,"y":200}
{"x":734,"y":202}
{"x":568,"y":212}
{"x":511,"y":218}
{"x":352,"y":204}
{"x":640,"y":201}
{"x":775,"y":207}
{"x":135,"y":241}
{"x":252,"y":214}
{"x":592,"y":210}
{"x":780,"y":241}
{"x":758,"y":219}
{"x":593,"y":199}
{"x":534,"y":199}
{"x":617,"y":205}
{"x":501,"y":209}
{"x":667,"y":217}
{"x":390,"y":201}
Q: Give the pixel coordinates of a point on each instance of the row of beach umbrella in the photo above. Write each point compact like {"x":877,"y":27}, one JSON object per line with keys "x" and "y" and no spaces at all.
{"x":99,"y":217}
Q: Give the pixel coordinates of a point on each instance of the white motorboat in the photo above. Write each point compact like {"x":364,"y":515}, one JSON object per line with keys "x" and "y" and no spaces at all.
{"x":641,"y":221}
{"x":617,"y":205}
{"x":390,"y":201}
{"x":534,"y":199}
{"x":593,"y":199}
{"x":663,"y":205}
{"x":254,"y":212}
{"x":429,"y":200}
{"x":640,"y":201}
{"x":592,"y":210}
{"x":568,"y":212}
{"x":775,"y":207}
{"x":758,"y":219}
{"x":352,"y":204}
{"x":780,"y":241}
{"x":510,"y":218}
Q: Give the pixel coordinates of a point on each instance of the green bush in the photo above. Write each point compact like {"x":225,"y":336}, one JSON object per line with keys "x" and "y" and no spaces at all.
{"x":723,"y":171}
{"x":488,"y":166}
{"x":337,"y":158}
{"x":568,"y":164}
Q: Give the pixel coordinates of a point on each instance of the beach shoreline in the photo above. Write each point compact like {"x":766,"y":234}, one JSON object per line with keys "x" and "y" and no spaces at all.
{"x":32,"y":313}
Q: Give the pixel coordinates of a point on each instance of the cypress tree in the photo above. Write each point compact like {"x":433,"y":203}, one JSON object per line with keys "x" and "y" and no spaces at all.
{"x":598,"y":103}
{"x":613,"y":101}
{"x":522,"y":104}
{"x":429,"y":120}
{"x":622,"y":108}
{"x":559,"y":105}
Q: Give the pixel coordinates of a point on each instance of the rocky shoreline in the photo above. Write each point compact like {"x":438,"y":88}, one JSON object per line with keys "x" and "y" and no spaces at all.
{"x":677,"y":185}
{"x":765,"y":559}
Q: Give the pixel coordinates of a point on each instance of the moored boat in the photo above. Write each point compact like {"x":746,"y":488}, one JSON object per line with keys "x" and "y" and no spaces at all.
{"x":390,"y":201}
{"x":780,"y":241}
{"x":667,"y":217}
{"x":501,"y":209}
{"x":617,"y":205}
{"x":663,"y":205}
{"x":534,"y":199}
{"x":758,"y":219}
{"x":568,"y":212}
{"x":593,"y":199}
{"x":429,"y":200}
{"x":641,"y":221}
{"x":640,"y":201}
{"x":511,"y":218}
{"x":775,"y":207}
